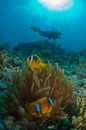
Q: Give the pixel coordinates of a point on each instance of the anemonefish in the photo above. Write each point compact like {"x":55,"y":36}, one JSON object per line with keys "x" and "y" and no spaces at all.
{"x":35,"y":62}
{"x":41,"y":107}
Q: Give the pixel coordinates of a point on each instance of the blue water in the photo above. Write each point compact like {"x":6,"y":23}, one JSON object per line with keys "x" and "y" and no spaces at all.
{"x":16,"y":17}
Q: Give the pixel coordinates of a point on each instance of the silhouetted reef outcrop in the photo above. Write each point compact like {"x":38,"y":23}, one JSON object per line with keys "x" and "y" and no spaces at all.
{"x":47,"y":50}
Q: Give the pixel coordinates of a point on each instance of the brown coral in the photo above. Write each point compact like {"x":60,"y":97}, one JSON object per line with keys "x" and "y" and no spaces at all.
{"x":3,"y":60}
{"x":27,"y":86}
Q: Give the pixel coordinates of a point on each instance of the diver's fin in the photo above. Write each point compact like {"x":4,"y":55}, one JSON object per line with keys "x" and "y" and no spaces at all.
{"x":37,"y":29}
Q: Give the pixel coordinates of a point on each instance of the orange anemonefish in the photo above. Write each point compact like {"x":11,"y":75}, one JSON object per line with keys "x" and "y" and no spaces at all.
{"x":42,"y":106}
{"x":35,"y":62}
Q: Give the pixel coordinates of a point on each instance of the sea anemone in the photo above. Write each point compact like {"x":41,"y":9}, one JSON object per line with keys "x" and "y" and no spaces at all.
{"x":29,"y":86}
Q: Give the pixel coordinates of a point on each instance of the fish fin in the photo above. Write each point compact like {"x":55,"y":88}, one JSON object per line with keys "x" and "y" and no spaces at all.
{"x":50,"y":101}
{"x":38,"y":108}
{"x":31,"y":59}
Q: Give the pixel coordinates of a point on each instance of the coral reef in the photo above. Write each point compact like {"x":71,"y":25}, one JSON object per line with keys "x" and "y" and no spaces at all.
{"x":16,"y":81}
{"x":3,"y":60}
{"x":45,"y":49}
{"x":7,"y":58}
{"x":79,"y":119}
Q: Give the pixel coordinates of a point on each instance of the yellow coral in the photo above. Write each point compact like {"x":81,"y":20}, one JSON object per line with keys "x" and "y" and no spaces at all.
{"x":80,"y":121}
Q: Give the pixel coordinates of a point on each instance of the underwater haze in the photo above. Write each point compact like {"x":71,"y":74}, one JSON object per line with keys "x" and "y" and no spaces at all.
{"x":17,"y":16}
{"x":42,"y":64}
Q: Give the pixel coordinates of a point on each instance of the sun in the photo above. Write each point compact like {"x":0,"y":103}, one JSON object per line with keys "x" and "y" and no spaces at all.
{"x":56,"y":9}
{"x":56,"y":4}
